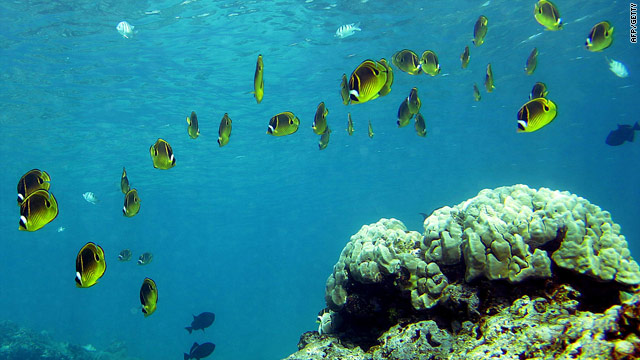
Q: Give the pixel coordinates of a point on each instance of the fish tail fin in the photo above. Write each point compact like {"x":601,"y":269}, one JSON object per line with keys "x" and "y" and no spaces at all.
{"x":186,"y":356}
{"x":636,"y":126}
{"x":189,"y":329}
{"x":424,"y":215}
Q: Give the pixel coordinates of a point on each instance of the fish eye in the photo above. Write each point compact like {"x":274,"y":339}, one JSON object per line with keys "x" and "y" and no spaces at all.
{"x":546,"y":108}
{"x":96,"y":257}
{"x":47,"y":203}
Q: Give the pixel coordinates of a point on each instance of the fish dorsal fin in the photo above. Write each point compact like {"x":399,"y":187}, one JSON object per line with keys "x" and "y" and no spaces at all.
{"x":195,"y":345}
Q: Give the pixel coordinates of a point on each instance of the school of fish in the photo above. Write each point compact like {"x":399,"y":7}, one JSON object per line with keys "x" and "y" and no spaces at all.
{"x":370,"y":80}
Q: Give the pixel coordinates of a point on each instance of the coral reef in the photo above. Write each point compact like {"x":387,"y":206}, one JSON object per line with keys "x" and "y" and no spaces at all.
{"x":449,"y":293}
{"x":17,"y":343}
{"x":540,"y":328}
{"x":509,"y":232}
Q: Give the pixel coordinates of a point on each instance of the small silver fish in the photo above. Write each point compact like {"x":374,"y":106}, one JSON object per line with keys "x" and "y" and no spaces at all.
{"x":89,"y":348}
{"x":325,"y":321}
{"x":618,"y":68}
{"x":90,"y":197}
{"x":347,"y":30}
{"x":125,"y":29}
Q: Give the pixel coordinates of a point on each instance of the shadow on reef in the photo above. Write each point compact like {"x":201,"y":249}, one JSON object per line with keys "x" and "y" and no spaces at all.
{"x":372,"y":309}
{"x":18,"y":343}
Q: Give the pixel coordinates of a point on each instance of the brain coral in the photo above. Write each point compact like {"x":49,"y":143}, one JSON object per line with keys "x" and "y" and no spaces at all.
{"x":506,"y":233}
{"x":511,"y":233}
{"x":382,"y":249}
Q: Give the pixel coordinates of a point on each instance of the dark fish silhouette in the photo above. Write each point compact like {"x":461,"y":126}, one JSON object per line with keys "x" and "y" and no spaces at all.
{"x":201,"y":321}
{"x":200,"y":351}
{"x":621,"y":134}
{"x":425,"y":215}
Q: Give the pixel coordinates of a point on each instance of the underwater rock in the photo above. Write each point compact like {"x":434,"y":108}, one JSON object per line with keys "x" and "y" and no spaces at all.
{"x":530,"y":328}
{"x":554,"y":329}
{"x":421,"y":340}
{"x":391,"y":286}
{"x":18,"y":343}
{"x":314,"y":346}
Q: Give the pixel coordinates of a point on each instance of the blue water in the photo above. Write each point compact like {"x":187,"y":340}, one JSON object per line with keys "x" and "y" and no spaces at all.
{"x":251,"y":231}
